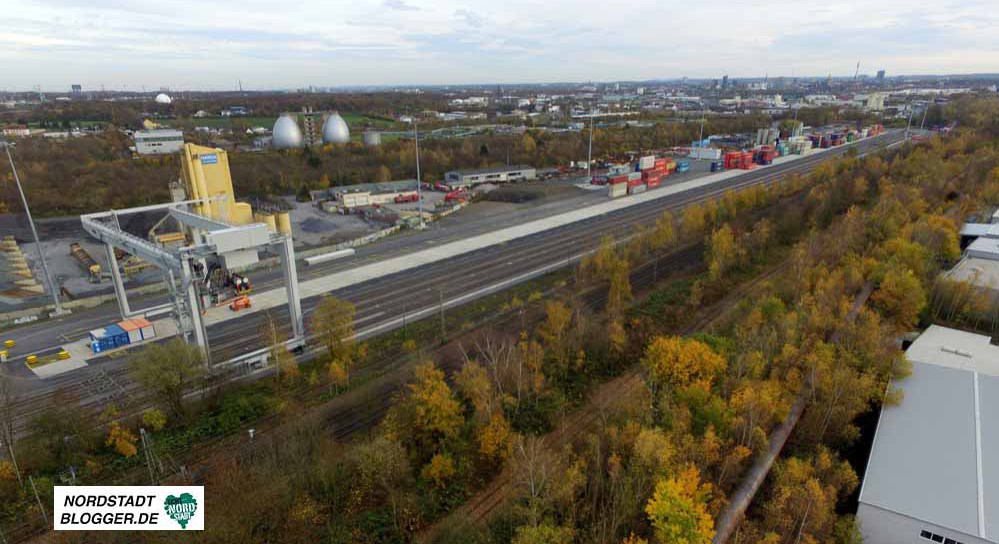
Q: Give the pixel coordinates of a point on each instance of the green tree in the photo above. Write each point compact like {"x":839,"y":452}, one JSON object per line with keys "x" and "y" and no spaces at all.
{"x":167,"y":371}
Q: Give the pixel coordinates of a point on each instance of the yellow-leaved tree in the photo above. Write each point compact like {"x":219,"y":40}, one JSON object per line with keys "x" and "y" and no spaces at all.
{"x":678,"y":509}
{"x":672,"y":363}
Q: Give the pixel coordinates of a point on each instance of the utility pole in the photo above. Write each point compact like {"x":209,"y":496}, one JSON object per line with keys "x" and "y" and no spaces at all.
{"x":58,"y":310}
{"x":923,"y":122}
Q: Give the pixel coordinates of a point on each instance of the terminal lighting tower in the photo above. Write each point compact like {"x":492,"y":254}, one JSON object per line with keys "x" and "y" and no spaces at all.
{"x":419,"y":182}
{"x":589,"y":151}
{"x":58,"y":309}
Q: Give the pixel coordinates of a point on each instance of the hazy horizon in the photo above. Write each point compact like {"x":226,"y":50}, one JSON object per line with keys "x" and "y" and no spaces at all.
{"x":185,"y":46}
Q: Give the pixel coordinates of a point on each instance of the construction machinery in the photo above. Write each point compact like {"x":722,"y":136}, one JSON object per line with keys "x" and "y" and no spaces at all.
{"x":240,"y":302}
{"x":86,"y":262}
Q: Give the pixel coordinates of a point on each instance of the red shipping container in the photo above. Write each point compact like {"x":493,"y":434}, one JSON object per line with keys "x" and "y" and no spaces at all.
{"x":614,"y":180}
{"x":634,"y":183}
{"x":654,"y":181}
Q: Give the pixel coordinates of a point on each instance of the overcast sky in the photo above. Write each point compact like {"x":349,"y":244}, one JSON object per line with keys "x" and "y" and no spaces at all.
{"x":181,"y":44}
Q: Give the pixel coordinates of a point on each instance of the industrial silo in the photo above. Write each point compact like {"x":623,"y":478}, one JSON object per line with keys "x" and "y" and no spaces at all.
{"x":286,"y":134}
{"x":335,"y":130}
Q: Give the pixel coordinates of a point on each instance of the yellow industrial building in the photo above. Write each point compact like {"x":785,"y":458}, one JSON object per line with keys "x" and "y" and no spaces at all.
{"x":205,"y":175}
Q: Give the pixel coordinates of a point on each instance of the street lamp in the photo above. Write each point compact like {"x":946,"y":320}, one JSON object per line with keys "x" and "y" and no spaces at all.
{"x":38,"y":244}
{"x":419,"y":182}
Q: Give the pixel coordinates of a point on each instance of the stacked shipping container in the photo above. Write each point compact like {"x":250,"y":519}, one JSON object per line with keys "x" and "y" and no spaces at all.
{"x":123,"y":333}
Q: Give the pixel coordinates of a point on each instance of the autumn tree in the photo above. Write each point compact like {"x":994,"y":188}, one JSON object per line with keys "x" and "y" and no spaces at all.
{"x":554,"y":332}
{"x":804,"y":494}
{"x":167,"y":371}
{"x":663,"y":233}
{"x":333,"y":322}
{"x":280,"y":358}
{"x":428,"y":416}
{"x":119,"y":438}
{"x":672,"y":363}
{"x":678,"y":509}
{"x":723,"y":252}
{"x":901,"y":297}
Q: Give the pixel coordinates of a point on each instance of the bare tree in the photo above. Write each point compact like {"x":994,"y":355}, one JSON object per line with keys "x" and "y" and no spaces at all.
{"x":7,"y":399}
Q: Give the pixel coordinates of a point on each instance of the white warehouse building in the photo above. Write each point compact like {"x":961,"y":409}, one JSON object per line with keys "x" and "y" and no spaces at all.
{"x":933,"y":474}
{"x":499,"y":174}
{"x":158,"y":142}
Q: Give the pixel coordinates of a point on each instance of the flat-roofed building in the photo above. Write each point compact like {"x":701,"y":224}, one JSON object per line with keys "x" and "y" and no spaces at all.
{"x":158,"y":142}
{"x":499,"y":174}
{"x":933,"y":473}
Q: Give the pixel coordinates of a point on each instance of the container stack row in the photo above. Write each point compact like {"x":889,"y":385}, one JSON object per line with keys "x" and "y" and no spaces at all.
{"x":123,"y":333}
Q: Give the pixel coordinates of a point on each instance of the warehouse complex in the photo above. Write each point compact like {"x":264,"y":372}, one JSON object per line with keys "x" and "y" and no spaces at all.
{"x":980,"y":263}
{"x":933,"y":474}
{"x":499,"y":174}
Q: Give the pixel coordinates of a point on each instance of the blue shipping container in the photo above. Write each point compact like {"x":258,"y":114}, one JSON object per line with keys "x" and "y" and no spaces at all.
{"x":682,"y":166}
{"x":118,"y":335}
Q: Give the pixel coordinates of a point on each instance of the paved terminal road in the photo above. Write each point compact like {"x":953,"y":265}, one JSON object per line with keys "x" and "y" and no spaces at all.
{"x":385,"y":302}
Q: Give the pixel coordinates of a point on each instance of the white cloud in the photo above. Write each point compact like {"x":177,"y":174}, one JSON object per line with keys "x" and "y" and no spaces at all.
{"x":184,"y":44}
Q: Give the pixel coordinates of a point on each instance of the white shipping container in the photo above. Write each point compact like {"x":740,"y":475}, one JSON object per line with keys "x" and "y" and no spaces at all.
{"x":706,"y":153}
{"x":616,"y":190}
{"x":634,"y":175}
{"x":148,"y":332}
{"x":646,"y":162}
{"x":135,"y":336}
{"x":636,"y":189}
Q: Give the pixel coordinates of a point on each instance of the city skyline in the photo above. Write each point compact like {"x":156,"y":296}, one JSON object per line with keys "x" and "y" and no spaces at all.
{"x":55,"y":43}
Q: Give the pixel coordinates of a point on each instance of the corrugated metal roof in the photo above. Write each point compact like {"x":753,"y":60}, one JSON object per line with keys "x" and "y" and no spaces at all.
{"x":935,"y":456}
{"x":493,"y":170}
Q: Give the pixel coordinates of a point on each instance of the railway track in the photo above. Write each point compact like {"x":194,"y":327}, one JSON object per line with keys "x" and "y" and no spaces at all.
{"x":394,"y":295}
{"x":343,"y":424}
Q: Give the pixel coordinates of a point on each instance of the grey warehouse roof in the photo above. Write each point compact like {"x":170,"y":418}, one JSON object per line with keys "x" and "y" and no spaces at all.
{"x":935,"y":456}
{"x":495,"y":170}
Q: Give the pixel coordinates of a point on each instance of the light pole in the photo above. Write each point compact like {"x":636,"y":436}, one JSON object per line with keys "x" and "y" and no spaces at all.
{"x":38,"y":244}
{"x":909,"y":124}
{"x":589,"y":152}
{"x":419,"y":182}
{"x":704,"y":115}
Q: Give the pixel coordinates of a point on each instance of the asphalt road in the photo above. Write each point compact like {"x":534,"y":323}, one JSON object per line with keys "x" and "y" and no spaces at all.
{"x":381,"y":303}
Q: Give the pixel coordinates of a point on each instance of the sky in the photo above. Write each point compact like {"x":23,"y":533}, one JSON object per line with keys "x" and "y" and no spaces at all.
{"x":268,"y":44}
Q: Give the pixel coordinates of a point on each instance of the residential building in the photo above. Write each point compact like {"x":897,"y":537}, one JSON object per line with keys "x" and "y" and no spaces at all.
{"x":158,"y":141}
{"x":16,"y":131}
{"x":933,"y":473}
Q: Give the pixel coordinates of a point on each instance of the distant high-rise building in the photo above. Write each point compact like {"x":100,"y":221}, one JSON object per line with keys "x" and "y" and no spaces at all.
{"x":724,"y":82}
{"x":881,"y":75}
{"x":77,"y":89}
